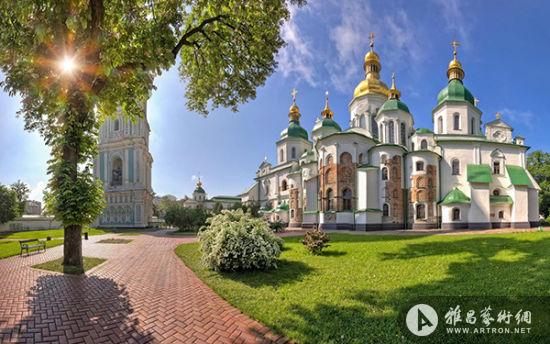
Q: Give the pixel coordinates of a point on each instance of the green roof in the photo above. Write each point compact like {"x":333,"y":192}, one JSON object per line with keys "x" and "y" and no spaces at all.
{"x":518,"y":175}
{"x":456,"y":91}
{"x":199,"y":189}
{"x":232,"y":198}
{"x":423,"y":131}
{"x":455,"y":196}
{"x":501,"y":199}
{"x":394,"y":104}
{"x":283,"y":206}
{"x":479,"y":173}
{"x":294,"y":130}
{"x":327,"y":122}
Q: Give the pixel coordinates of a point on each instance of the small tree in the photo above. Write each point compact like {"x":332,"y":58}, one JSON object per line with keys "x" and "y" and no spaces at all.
{"x":9,"y":208}
{"x":315,"y":241}
{"x":185,"y":219}
{"x":538,"y":164}
{"x":218,"y":207}
{"x":22,"y":193}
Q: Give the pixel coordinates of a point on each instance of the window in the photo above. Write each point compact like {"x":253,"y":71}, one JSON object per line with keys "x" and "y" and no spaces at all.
{"x":381,"y":133}
{"x":420,"y":211}
{"x":456,"y":121}
{"x":117,"y":125}
{"x":412,"y":145}
{"x":284,"y":185}
{"x":385,"y":210}
{"x":472,"y":126}
{"x":391,"y":130}
{"x":346,"y":196}
{"x":403,"y":133}
{"x":501,"y":214}
{"x":361,"y":158}
{"x":345,"y":158}
{"x":116,"y":174}
{"x":330,"y":200}
{"x":455,"y":167}
{"x":440,"y":125}
{"x":496,"y":192}
{"x":374,"y":127}
{"x":384,"y":173}
{"x":281,"y":155}
{"x":293,"y":153}
{"x":456,"y":214}
{"x":424,"y":144}
{"x":420,"y":166}
{"x":496,"y":167}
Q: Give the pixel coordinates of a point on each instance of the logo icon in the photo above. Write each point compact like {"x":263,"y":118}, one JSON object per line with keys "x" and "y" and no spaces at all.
{"x":421,"y":320}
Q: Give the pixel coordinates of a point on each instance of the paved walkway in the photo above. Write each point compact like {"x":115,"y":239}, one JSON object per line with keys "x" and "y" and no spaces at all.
{"x":142,"y":294}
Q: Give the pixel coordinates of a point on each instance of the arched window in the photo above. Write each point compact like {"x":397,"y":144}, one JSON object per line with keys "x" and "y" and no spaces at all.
{"x":403,"y":133}
{"x":281,"y":155}
{"x":501,"y":214}
{"x":117,"y":125}
{"x":385,"y":210}
{"x":116,"y":176}
{"x":384,"y":173}
{"x":424,"y":144}
{"x":456,"y":121}
{"x":374,"y":127}
{"x":496,"y":167}
{"x":456,"y":214}
{"x":496,"y":192}
{"x":329,"y":160}
{"x":345,"y":158}
{"x":346,"y":197}
{"x":455,"y":167}
{"x":420,"y":166}
{"x":412,"y":146}
{"x":440,"y":125}
{"x":472,"y":126}
{"x":361,"y":159}
{"x":284,"y":185}
{"x":381,"y":133}
{"x":420,"y":211}
{"x":293,"y":153}
{"x":391,"y":130}
{"x":330,"y":200}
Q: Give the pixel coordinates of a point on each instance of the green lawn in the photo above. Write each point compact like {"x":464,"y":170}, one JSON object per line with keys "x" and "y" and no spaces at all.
{"x":12,"y":248}
{"x":53,"y":233}
{"x":354,"y":291}
{"x":57,"y":265}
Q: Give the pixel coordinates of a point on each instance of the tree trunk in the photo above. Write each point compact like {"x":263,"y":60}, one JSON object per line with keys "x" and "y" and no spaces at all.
{"x":72,"y":247}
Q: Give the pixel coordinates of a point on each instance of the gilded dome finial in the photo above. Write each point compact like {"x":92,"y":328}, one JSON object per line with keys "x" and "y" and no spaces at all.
{"x":455,"y":70}
{"x":393,"y":92}
{"x":371,"y":38}
{"x":327,"y":112}
{"x":372,"y":66}
{"x":294,"y":112}
{"x":498,"y":115}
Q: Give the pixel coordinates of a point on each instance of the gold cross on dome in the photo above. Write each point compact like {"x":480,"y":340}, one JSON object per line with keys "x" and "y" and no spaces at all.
{"x":371,"y":38}
{"x":455,"y":44}
{"x":294,"y":93}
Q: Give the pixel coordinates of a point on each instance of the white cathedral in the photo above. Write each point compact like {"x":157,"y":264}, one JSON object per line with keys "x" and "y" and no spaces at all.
{"x":124,"y":166}
{"x":382,"y":173}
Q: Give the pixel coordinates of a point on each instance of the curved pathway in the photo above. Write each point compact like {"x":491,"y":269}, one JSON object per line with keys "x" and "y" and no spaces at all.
{"x":143,"y":293}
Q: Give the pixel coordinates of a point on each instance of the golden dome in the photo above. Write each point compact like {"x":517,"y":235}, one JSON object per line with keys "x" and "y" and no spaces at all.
{"x":393,"y":93}
{"x":372,"y":66}
{"x":294,"y":111}
{"x":327,"y":112}
{"x":455,"y":71}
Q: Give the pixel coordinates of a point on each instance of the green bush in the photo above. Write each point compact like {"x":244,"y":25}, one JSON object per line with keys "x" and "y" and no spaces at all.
{"x":185,"y":219}
{"x":9,"y":208}
{"x":315,"y":241}
{"x":235,"y":240}
{"x":277,"y":226}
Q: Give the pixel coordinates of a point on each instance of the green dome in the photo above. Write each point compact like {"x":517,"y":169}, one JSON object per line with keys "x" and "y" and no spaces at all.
{"x":329,"y":123}
{"x":394,"y":104}
{"x":294,"y":130}
{"x":456,"y":91}
{"x":199,"y":189}
{"x":423,"y":131}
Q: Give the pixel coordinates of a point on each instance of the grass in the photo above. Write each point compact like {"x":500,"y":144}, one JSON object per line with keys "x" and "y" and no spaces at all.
{"x":52,"y":233}
{"x":12,"y":248}
{"x":114,"y":241}
{"x":57,"y":265}
{"x":354,"y":291}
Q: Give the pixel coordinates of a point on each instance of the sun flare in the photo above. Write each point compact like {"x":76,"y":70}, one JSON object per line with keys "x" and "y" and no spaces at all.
{"x":67,"y":65}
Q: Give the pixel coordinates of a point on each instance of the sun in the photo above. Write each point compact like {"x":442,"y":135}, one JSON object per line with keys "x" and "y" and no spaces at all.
{"x":67,"y":65}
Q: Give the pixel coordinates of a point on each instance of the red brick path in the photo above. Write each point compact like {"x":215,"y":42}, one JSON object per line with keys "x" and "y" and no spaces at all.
{"x":142,"y":294}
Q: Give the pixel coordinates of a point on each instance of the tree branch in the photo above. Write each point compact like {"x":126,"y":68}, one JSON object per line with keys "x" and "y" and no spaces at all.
{"x":191,"y":31}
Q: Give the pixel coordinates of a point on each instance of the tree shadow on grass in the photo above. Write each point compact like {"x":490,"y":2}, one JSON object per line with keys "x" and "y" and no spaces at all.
{"x":61,"y":308}
{"x":488,"y":267}
{"x":287,"y":272}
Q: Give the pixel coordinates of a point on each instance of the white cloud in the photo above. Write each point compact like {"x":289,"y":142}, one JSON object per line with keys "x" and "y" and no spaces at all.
{"x":455,"y":18}
{"x":37,"y":192}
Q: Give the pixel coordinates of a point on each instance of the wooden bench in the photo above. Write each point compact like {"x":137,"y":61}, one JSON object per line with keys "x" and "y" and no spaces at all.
{"x":29,"y":244}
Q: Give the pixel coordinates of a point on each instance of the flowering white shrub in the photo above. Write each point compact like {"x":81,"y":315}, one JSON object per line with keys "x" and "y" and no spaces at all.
{"x":234,"y":240}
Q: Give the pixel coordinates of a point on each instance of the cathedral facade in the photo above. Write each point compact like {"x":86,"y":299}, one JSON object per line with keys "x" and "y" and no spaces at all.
{"x":383,"y":173}
{"x":124,"y":166}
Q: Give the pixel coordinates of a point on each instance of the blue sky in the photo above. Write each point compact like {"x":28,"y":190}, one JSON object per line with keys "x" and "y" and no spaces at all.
{"x":503,"y":50}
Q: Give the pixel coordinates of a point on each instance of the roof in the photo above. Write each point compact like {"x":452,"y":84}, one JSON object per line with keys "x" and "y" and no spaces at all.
{"x":294,"y":130}
{"x":501,"y":199}
{"x":423,"y":131}
{"x":498,"y":123}
{"x":327,"y":122}
{"x":479,"y":173}
{"x":455,"y":90}
{"x":199,"y":189}
{"x":229,"y":198}
{"x":518,"y":176}
{"x":455,"y":196}
{"x":394,"y":104}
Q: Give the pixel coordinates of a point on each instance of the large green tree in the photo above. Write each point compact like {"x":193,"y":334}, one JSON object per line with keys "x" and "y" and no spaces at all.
{"x":73,"y":62}
{"x":8,"y":204}
{"x":538,"y":164}
{"x":22,"y":192}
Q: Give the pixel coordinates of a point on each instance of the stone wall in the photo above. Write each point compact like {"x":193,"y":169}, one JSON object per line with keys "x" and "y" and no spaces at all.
{"x":393,"y":189}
